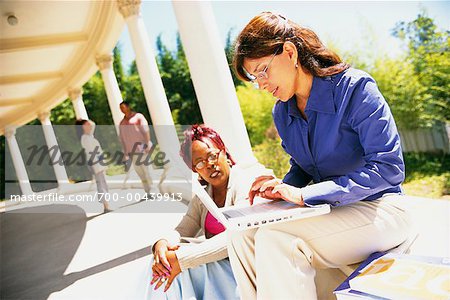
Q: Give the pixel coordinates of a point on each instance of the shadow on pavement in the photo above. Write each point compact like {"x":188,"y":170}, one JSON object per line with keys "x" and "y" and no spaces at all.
{"x":37,"y":245}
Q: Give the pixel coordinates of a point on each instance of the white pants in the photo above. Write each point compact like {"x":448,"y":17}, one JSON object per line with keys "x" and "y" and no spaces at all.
{"x":279,"y":261}
{"x":143,"y":172}
{"x":102,"y":188}
{"x":100,"y":180}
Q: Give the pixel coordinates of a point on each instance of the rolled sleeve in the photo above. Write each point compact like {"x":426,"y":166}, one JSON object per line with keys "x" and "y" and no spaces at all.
{"x":213,"y":249}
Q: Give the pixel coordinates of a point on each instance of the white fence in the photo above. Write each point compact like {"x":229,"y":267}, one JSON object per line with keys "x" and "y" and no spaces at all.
{"x":435,"y":139}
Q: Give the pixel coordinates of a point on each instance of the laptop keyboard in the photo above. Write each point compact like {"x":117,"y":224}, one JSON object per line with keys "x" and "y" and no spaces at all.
{"x":258,"y":208}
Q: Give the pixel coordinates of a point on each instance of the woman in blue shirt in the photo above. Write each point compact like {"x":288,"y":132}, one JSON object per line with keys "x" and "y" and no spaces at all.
{"x":342,"y":138}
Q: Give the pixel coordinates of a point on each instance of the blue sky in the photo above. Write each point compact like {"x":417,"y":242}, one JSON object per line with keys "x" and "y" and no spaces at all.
{"x":351,"y":26}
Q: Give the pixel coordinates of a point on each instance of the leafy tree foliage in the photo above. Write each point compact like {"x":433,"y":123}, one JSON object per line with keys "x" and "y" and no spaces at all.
{"x":256,"y":107}
{"x":134,"y":93}
{"x":118,"y":68}
{"x":272,"y":156}
{"x":402,"y":90}
{"x":96,"y":102}
{"x":418,"y":86}
{"x":229,"y":51}
{"x":176,"y":78}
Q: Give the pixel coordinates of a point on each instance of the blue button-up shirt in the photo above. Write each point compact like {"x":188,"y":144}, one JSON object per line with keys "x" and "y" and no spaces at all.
{"x":349,"y":145}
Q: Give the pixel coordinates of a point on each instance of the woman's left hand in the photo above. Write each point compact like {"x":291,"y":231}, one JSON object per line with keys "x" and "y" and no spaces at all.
{"x":175,"y":270}
{"x":275,"y":189}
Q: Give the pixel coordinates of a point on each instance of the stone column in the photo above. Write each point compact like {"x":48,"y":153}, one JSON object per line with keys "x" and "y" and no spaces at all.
{"x":76,"y":96}
{"x":104,"y":63}
{"x":52,"y":143}
{"x":19,"y":166}
{"x":212,"y":78}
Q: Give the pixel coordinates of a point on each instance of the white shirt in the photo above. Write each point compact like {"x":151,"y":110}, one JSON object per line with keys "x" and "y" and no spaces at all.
{"x":90,"y":145}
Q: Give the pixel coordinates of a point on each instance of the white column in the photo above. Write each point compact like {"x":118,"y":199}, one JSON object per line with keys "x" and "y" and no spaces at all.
{"x":211,"y":76}
{"x":50,"y":138}
{"x":19,"y":166}
{"x":104,"y":63}
{"x":152,"y":85}
{"x":76,"y":96}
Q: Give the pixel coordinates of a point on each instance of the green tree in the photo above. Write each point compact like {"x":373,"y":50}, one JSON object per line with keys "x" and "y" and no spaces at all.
{"x":118,"y":68}
{"x":135,"y":93}
{"x":256,"y":107}
{"x":421,"y":33}
{"x":403,"y":91}
{"x":63,"y":113}
{"x":177,"y":82}
{"x":272,"y":156}
{"x":229,"y":52}
{"x":96,"y":101}
{"x":429,"y":55}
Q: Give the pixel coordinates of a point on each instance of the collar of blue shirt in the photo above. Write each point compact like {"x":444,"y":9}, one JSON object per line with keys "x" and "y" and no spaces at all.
{"x":320,"y":98}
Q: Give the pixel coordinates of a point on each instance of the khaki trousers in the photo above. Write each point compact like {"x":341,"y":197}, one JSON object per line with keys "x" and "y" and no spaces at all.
{"x":143,"y":172}
{"x":279,"y":261}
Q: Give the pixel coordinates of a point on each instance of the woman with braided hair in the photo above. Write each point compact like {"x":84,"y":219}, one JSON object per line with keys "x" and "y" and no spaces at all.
{"x":201,"y":271}
{"x":345,"y":151}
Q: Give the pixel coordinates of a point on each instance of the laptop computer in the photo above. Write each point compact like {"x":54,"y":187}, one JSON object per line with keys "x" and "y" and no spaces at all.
{"x":262,"y":212}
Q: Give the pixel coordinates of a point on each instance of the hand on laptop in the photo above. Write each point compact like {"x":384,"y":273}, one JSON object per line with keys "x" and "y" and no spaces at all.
{"x":270,"y":187}
{"x":254,"y":190}
{"x":289,"y":193}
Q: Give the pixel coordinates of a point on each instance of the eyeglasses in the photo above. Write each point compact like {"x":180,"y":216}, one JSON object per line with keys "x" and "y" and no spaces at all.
{"x":212,"y":158}
{"x":262,"y":74}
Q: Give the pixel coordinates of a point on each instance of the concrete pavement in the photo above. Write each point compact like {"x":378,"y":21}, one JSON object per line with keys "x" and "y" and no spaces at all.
{"x":46,"y":254}
{"x":70,"y":255}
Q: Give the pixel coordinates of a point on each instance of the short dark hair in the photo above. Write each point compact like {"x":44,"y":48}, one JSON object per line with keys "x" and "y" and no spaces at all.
{"x":79,"y":127}
{"x":126,"y":103}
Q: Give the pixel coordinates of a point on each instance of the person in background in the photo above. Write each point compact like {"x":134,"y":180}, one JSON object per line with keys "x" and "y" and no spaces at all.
{"x":85,"y":132}
{"x":136,"y":144}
